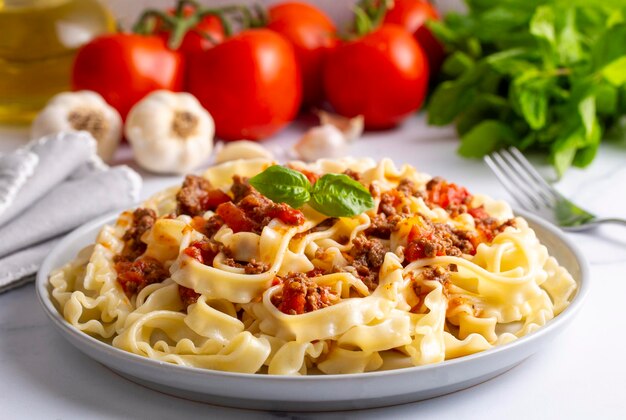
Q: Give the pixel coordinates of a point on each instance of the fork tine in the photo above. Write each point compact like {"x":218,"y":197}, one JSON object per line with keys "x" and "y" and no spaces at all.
{"x":527,"y":181}
{"x":532,"y":172}
{"x":516,"y":180}
{"x":508,"y":185}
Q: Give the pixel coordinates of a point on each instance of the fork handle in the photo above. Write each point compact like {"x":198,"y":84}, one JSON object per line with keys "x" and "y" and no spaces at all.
{"x":611,"y":220}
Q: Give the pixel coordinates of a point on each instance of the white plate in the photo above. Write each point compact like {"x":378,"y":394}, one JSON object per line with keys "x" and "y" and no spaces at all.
{"x":315,"y":393}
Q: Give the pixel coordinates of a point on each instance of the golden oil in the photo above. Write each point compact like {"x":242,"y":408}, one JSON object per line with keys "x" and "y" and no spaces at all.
{"x":38,"y":42}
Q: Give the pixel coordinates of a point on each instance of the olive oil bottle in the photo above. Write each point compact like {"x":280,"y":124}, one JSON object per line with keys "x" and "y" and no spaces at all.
{"x":38,"y":42}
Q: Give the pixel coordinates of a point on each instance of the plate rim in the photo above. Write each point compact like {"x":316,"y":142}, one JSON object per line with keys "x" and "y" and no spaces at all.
{"x":46,"y":301}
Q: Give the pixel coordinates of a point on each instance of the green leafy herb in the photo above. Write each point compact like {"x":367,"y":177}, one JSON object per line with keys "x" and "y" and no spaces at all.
{"x":339,"y":195}
{"x":283,"y":185}
{"x":548,"y":75}
{"x":335,"y":195}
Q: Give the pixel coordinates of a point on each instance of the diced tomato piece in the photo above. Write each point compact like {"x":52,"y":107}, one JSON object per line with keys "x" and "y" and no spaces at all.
{"x":235,"y":218}
{"x":416,"y":246}
{"x":214,"y":198}
{"x":316,"y":272}
{"x":287,"y":214}
{"x":292,"y":301}
{"x":446,"y":194}
{"x":478,"y":213}
{"x":414,"y":252}
{"x":414,"y":234}
{"x":202,"y":251}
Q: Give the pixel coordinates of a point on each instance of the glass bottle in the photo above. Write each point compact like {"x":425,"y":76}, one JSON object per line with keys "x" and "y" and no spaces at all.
{"x":38,"y":42}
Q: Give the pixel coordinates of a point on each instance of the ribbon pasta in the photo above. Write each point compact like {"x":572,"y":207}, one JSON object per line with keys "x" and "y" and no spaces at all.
{"x":413,"y":303}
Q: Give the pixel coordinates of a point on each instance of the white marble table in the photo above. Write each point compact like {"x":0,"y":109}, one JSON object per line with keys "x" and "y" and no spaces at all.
{"x":580,"y":375}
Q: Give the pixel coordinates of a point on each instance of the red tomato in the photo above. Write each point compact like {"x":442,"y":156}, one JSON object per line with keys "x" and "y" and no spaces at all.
{"x":250,"y":84}
{"x":312,"y":35}
{"x":207,"y":33}
{"x":124,"y":68}
{"x":234,"y":217}
{"x":382,"y":76}
{"x":286,"y":214}
{"x":412,"y":14}
{"x":446,"y":194}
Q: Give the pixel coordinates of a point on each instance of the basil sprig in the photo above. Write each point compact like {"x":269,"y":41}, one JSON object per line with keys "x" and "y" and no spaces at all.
{"x":335,"y":195}
{"x":546,"y":75}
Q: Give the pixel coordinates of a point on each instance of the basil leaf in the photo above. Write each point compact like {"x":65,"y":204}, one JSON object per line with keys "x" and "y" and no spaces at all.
{"x":532,"y":100}
{"x":615,"y":71}
{"x":448,"y":100}
{"x":283,"y":185}
{"x":512,"y":62}
{"x":338,"y":195}
{"x":587,"y":112}
{"x":484,"y":138}
{"x":568,"y":48}
{"x":609,"y":47}
{"x":542,"y":25}
{"x":564,"y":150}
{"x":457,"y":64}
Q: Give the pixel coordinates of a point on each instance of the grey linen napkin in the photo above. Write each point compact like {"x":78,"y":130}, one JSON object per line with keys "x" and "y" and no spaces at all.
{"x":47,"y":189}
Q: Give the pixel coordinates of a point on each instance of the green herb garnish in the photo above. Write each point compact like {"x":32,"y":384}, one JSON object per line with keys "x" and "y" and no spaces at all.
{"x":335,"y":195}
{"x":546,"y":75}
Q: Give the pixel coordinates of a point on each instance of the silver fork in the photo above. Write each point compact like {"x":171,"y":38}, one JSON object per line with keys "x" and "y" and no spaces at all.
{"x":534,"y":194}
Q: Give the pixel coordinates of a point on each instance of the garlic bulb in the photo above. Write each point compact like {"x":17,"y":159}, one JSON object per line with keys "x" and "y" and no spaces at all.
{"x":352,"y":128}
{"x":170,"y":132}
{"x":242,"y":149}
{"x":81,"y":111}
{"x":325,"y":141}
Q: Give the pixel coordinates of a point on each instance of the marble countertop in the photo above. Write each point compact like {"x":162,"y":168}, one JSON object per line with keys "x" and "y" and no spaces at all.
{"x":580,"y":375}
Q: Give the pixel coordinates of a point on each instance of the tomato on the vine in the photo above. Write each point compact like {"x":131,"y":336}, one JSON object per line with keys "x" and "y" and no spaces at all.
{"x":382,"y":75}
{"x":250,"y":84}
{"x":124,"y":68}
{"x":412,"y":15}
{"x":312,"y":35}
{"x":205,"y":34}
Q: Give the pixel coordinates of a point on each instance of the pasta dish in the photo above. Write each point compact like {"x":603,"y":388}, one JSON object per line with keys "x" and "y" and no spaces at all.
{"x":213,"y":274}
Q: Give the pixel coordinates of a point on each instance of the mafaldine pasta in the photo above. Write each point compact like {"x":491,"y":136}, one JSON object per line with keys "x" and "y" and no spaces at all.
{"x":214,"y":275}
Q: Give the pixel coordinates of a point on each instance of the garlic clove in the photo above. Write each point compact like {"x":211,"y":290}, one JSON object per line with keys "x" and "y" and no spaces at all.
{"x":242,"y":149}
{"x":170,"y":132}
{"x":325,"y":141}
{"x":81,"y":111}
{"x":352,"y":128}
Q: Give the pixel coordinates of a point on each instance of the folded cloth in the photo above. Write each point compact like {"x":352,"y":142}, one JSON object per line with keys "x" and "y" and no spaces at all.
{"x":47,"y":189}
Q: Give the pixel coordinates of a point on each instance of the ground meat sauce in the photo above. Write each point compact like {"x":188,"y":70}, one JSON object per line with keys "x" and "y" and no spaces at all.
{"x":143,"y":220}
{"x":197,"y":196}
{"x":408,"y":188}
{"x":203,"y":251}
{"x":251,"y":267}
{"x":134,"y":276}
{"x":382,"y":225}
{"x":489,"y":227}
{"x":299,"y":294}
{"x":367,"y":256}
{"x":353,"y":174}
{"x":187,"y":296}
{"x":437,"y":239}
{"x":389,"y":200}
{"x":437,"y":273}
{"x":207,"y":227}
{"x":251,"y":212}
